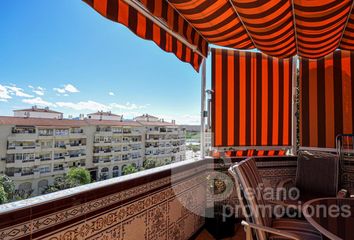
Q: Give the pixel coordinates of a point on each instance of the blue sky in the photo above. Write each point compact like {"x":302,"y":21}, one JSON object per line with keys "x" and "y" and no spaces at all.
{"x":62,"y":54}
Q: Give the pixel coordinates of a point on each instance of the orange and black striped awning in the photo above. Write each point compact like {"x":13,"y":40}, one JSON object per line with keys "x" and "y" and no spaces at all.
{"x":121,"y":12}
{"x":326,"y":99}
{"x":248,"y":153}
{"x":279,"y":28}
{"x":251,"y":101}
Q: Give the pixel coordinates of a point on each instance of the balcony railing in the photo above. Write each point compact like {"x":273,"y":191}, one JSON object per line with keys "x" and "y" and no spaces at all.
{"x":142,"y":194}
{"x":176,"y":193}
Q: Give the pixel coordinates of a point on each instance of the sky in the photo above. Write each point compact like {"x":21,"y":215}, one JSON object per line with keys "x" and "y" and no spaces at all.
{"x":64,"y":55}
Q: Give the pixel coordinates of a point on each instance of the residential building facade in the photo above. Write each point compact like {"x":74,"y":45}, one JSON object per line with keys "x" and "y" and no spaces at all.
{"x":34,"y":151}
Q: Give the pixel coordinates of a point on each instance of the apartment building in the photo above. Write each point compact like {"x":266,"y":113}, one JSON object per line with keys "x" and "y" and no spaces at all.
{"x":35,"y":150}
{"x":164,"y":141}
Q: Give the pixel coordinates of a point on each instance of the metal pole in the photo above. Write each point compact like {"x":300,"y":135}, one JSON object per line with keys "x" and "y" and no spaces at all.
{"x":141,"y":8}
{"x":202,"y":112}
{"x":294,"y":106}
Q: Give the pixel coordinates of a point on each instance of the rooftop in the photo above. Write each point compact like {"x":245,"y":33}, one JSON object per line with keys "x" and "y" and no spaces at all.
{"x":7,"y":120}
{"x":147,"y":117}
{"x":101,"y":113}
{"x":37,"y":109}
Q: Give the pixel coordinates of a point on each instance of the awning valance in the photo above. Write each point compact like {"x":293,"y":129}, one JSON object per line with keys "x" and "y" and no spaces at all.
{"x":310,"y":29}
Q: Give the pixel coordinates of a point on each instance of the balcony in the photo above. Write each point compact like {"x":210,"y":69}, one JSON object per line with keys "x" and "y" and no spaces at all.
{"x":22,"y":136}
{"x":23,"y":149}
{"x":20,"y":176}
{"x":74,"y":135}
{"x":172,"y":198}
{"x":75,"y":146}
{"x":152,"y":188}
{"x":102,"y":153}
{"x":60,"y":170}
{"x":75,"y":157}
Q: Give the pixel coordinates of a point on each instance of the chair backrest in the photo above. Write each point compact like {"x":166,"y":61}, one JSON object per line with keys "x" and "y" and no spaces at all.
{"x":250,"y":193}
{"x":317,"y":174}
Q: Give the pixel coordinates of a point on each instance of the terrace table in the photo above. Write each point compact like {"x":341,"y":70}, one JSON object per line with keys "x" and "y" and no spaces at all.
{"x":332,"y":217}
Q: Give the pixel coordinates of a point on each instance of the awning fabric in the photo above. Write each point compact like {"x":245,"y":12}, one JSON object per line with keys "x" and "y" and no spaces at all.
{"x":326,"y":99}
{"x":119,"y":11}
{"x":248,"y":153}
{"x":251,"y":101}
{"x":286,"y":28}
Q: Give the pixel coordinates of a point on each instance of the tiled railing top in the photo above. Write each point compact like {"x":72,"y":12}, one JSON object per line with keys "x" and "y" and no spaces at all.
{"x":95,"y":189}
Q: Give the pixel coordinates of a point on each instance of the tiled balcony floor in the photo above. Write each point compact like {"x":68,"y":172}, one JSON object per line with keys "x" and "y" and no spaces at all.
{"x":239,"y":234}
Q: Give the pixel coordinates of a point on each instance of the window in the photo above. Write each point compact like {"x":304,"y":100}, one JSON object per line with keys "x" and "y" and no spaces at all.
{"x":115,"y":171}
{"x":104,"y":173}
{"x":61,"y":132}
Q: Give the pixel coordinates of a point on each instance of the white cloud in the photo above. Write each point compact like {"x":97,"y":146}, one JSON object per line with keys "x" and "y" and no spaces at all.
{"x":111,"y":94}
{"x":128,"y":106}
{"x":190,"y":119}
{"x":38,"y":90}
{"x":68,"y":88}
{"x":39,"y":102}
{"x":13,"y":90}
{"x":87,"y":105}
{"x":96,"y":106}
{"x":59,"y":90}
{"x":4,"y":94}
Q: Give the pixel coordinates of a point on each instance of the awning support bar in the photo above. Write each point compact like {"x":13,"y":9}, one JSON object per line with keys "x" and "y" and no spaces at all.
{"x":202,"y":113}
{"x":294,"y":107}
{"x":140,"y":8}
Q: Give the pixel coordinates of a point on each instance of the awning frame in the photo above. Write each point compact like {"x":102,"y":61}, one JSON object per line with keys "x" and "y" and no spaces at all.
{"x":140,"y":8}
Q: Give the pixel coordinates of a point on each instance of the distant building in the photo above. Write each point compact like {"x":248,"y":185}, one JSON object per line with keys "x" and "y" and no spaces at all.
{"x":147,"y":118}
{"x":100,"y":115}
{"x":36,"y":112}
{"x":164,"y":142}
{"x":33,"y":150}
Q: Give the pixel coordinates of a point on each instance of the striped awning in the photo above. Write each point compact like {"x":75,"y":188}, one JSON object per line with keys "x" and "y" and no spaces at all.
{"x":326,"y":99}
{"x":251,"y":101}
{"x":279,"y":28}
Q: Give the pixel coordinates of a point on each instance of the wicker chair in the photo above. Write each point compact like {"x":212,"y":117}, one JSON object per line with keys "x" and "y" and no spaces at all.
{"x":258,"y":215}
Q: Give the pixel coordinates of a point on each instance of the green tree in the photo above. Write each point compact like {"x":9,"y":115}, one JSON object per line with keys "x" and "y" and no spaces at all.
{"x":78,"y":176}
{"x":8,"y":187}
{"x":75,"y":177}
{"x":129,"y":169}
{"x":3,"y":195}
{"x":149,"y":163}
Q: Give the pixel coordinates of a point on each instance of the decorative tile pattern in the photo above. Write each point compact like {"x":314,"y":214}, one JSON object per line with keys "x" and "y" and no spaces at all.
{"x":149,"y":212}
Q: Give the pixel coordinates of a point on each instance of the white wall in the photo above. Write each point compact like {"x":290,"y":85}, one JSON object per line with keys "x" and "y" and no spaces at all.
{"x":38,"y":114}
{"x":104,"y":117}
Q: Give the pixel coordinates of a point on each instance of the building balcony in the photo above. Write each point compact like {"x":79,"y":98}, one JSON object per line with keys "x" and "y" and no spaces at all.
{"x":23,"y":149}
{"x":22,"y":136}
{"x":61,"y":170}
{"x":103,"y":162}
{"x":75,"y":146}
{"x":20,"y":176}
{"x":61,"y":136}
{"x":102,"y":153}
{"x":103,"y":133}
{"x":45,"y":136}
{"x":77,"y":135}
{"x":75,"y":157}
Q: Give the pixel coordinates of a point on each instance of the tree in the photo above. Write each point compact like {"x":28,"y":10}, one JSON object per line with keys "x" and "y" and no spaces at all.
{"x":149,"y":163}
{"x":129,"y":169}
{"x":3,"y":195}
{"x":75,"y":177}
{"x":78,"y":176}
{"x":8,"y":187}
